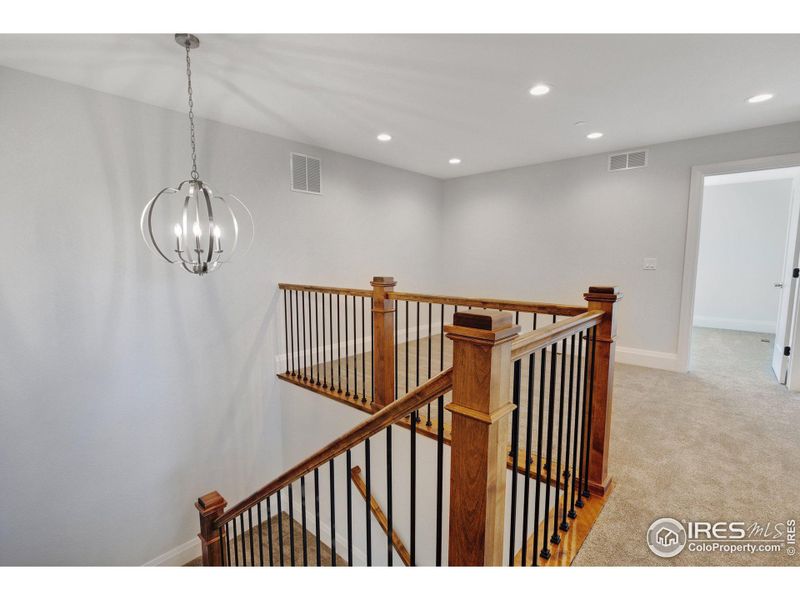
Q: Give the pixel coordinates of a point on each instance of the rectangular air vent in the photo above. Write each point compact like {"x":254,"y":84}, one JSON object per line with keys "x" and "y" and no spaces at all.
{"x":306,"y":173}
{"x":627,"y":160}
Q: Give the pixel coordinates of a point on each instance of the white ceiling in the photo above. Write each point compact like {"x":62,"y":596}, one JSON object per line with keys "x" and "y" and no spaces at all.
{"x":442,"y":96}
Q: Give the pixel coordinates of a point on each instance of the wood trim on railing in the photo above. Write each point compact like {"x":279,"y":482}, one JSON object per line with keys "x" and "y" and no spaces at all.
{"x":390,"y":415}
{"x":555,"y":332}
{"x":493,"y":303}
{"x":325,"y":290}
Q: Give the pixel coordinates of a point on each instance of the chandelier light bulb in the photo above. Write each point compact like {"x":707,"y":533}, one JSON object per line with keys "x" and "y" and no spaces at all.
{"x":193,"y":201}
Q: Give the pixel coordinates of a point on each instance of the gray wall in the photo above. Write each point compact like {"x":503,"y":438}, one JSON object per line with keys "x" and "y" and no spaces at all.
{"x":128,"y":387}
{"x":548,"y":231}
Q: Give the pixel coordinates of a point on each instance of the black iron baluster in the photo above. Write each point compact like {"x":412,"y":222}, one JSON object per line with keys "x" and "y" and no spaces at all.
{"x":292,"y":313}
{"x":346,"y":353}
{"x":396,"y":352}
{"x":280,"y":529}
{"x":528,"y":460}
{"x":534,"y":321}
{"x":269,"y":530}
{"x":235,"y":543}
{"x":540,"y":422}
{"x":564,"y":523}
{"x":303,"y":319}
{"x":297,"y":329}
{"x":252,"y":545}
{"x":291,"y":526}
{"x":316,"y":331}
{"x":260,"y":536}
{"x":555,"y":538}
{"x":576,"y":431}
{"x":316,"y":514}
{"x":330,"y":330}
{"x":363,"y":354}
{"x":355,"y":352}
{"x":310,"y":341}
{"x":286,"y":329}
{"x":586,"y":493}
{"x":413,"y":485}
{"x":333,"y":512}
{"x":368,"y":479}
{"x":405,"y":391}
{"x":338,"y":346}
{"x":244,"y":545}
{"x":545,"y":553}
{"x":439,"y":476}
{"x":430,"y":337}
{"x":389,"y":488}
{"x":514,"y":461}
{"x":228,"y":545}
{"x":554,"y":318}
{"x":349,"y":483}
{"x":303,"y":519}
{"x":372,"y":348}
{"x":584,"y":439}
{"x":324,"y":349}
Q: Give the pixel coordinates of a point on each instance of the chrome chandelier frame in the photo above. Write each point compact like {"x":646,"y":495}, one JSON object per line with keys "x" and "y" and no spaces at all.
{"x":198,"y":237}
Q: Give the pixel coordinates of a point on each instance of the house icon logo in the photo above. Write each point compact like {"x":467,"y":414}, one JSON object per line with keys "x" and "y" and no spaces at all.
{"x":666,"y":537}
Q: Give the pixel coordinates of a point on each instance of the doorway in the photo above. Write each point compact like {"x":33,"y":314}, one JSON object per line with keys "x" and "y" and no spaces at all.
{"x":746,"y":255}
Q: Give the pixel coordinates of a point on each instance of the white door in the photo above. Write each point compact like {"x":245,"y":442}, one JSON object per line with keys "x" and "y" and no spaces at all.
{"x":786,"y":309}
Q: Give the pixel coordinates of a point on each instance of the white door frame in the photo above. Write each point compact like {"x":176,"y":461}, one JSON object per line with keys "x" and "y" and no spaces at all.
{"x":690,"y":253}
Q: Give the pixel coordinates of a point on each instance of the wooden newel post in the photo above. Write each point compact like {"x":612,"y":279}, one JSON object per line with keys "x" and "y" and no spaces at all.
{"x":210,"y":507}
{"x":480,"y":410}
{"x":383,"y":339}
{"x":602,"y":298}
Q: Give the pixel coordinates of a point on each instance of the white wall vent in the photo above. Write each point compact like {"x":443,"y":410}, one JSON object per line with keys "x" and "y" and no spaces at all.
{"x":627,"y":160}
{"x":306,"y":173}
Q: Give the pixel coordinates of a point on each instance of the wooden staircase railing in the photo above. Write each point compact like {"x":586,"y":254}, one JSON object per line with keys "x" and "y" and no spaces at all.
{"x":531,"y":397}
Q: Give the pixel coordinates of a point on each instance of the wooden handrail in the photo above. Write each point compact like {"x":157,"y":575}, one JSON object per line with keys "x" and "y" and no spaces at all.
{"x":566,"y":310}
{"x":325,"y":290}
{"x":391,"y":414}
{"x":493,"y":303}
{"x":555,"y":332}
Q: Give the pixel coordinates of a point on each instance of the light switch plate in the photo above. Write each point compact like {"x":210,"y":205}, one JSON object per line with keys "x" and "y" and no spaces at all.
{"x":649,"y":264}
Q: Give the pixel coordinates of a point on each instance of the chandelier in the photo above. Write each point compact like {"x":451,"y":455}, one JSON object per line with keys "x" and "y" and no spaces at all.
{"x":200,"y":226}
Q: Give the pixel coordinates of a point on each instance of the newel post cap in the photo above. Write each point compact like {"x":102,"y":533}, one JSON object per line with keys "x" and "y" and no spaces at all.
{"x":211,"y":503}
{"x":383,"y":281}
{"x":485,"y":326}
{"x":603,"y":293}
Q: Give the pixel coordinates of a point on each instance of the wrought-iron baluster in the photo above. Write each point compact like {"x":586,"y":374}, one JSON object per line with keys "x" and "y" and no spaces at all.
{"x":355,"y":352}
{"x":228,"y":545}
{"x":316,"y":331}
{"x":555,"y":538}
{"x":252,"y":545}
{"x":430,"y":337}
{"x":280,"y":529}
{"x":333,"y":512}
{"x":305,"y":352}
{"x":389,"y":491}
{"x":564,"y":523}
{"x":316,"y":514}
{"x":346,"y":353}
{"x":586,"y":493}
{"x":413,"y":486}
{"x":235,"y":542}
{"x":303,"y":519}
{"x":291,"y":526}
{"x":338,"y":346}
{"x":368,"y":480}
{"x":577,"y":431}
{"x":540,"y":421}
{"x":349,"y":484}
{"x":439,"y":476}
{"x":244,"y":545}
{"x":324,"y":349}
{"x":363,"y":354}
{"x":514,"y":461}
{"x":545,"y":553}
{"x":286,"y":330}
{"x":528,"y":461}
{"x":269,"y":530}
{"x":260,"y":536}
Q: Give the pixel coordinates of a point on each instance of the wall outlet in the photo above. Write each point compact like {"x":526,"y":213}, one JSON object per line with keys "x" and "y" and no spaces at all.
{"x":649,"y":264}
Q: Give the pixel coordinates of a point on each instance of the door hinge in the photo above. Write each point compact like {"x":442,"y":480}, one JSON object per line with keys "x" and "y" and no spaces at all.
{"x":787,"y":351}
{"x":796,"y":273}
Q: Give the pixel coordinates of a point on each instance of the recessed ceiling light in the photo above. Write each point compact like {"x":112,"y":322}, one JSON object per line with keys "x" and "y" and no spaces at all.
{"x":384,"y":137}
{"x":540,"y":89}
{"x":760,"y":98}
{"x":594,"y":135}
{"x":579,"y":123}
{"x":455,"y":161}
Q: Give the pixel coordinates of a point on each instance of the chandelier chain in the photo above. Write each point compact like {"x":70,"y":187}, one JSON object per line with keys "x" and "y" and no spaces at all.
{"x":195,"y":175}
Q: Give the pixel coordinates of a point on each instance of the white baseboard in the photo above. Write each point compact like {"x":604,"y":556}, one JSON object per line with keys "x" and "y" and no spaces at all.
{"x":735,"y":324}
{"x":178,"y":556}
{"x":667,"y":361}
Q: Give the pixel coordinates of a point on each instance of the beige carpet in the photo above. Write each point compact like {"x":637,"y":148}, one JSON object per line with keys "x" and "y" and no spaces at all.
{"x":719,"y":443}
